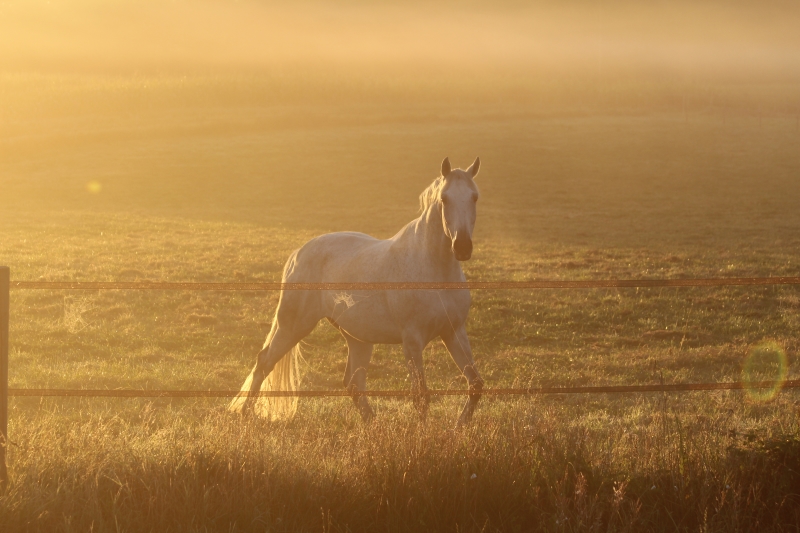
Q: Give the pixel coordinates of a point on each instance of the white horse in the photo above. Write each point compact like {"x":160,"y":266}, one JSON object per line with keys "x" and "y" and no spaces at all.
{"x":428,"y":249}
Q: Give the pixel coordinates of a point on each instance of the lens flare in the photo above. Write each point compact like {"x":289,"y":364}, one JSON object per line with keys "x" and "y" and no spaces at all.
{"x":764,"y":371}
{"x":94,"y":187}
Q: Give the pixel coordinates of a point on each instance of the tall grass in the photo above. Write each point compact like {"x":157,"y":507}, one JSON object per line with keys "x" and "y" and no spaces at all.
{"x":639,"y":464}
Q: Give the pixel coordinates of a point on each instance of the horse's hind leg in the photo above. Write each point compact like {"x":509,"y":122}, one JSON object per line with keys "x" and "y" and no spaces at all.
{"x":287,"y":330}
{"x":355,"y":375}
{"x":457,"y":344}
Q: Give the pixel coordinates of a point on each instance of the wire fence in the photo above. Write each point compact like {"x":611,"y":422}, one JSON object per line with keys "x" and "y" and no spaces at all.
{"x":6,"y":285}
{"x":383,"y":286}
{"x":607,"y":389}
{"x":395,"y":286}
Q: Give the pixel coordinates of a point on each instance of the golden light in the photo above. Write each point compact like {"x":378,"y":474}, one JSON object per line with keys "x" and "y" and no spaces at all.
{"x":765,"y":363}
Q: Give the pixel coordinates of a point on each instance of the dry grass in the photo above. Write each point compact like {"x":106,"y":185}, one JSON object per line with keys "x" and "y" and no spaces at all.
{"x":589,"y":464}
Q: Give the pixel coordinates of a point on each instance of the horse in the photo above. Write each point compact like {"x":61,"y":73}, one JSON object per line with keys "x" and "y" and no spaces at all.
{"x":428,"y":249}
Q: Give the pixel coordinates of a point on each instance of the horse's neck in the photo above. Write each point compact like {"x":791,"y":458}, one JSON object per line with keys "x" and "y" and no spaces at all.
{"x":426,"y":240}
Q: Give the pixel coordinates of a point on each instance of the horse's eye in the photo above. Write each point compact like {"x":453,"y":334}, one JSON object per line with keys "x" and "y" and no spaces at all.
{"x":474,"y":197}
{"x":444,"y":200}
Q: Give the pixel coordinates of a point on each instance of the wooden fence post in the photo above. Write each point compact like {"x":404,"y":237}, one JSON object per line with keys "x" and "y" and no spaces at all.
{"x":5,"y":282}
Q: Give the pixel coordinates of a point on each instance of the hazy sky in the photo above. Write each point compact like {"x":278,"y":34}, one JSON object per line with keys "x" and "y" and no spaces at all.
{"x":248,"y":34}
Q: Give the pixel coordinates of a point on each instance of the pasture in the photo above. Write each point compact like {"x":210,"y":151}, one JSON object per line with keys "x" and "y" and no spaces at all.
{"x":218,"y":177}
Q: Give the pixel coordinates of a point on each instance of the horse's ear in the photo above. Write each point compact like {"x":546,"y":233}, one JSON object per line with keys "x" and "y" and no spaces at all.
{"x":445,"y":167}
{"x":475,"y":167}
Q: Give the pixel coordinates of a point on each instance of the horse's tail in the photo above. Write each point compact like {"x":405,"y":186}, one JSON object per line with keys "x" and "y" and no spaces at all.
{"x":284,"y":377}
{"x":237,"y":404}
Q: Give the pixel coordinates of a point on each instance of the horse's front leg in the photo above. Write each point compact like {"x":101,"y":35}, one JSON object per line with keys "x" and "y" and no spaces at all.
{"x":412,"y":348}
{"x":457,"y":344}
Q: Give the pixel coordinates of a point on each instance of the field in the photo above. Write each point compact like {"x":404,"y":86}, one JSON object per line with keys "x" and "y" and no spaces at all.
{"x":211,"y":174}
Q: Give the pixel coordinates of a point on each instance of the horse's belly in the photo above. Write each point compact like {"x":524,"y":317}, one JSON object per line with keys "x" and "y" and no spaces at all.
{"x":369,"y":323}
{"x":384,"y":317}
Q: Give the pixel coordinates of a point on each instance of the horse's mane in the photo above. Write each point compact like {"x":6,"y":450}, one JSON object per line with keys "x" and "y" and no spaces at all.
{"x":431,"y":194}
{"x":434,"y":191}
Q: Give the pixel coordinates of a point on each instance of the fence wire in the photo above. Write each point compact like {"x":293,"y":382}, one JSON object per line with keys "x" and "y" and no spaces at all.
{"x":399,"y":286}
{"x":383,"y":286}
{"x":605,"y":389}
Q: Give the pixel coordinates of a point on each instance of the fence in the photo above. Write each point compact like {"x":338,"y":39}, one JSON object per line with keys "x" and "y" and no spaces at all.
{"x":5,"y":274}
{"x":395,"y":286}
{"x":6,"y":285}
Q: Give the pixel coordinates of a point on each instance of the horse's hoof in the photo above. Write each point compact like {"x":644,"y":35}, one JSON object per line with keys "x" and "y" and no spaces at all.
{"x":243,"y":410}
{"x":366,"y":412}
{"x":464,"y":419}
{"x":422,"y":407}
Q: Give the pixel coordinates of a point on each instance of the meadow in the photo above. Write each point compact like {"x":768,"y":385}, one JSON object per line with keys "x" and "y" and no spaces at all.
{"x":217,"y":175}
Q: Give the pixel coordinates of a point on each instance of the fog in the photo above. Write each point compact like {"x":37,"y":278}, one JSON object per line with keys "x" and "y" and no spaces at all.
{"x":698,"y":37}
{"x":687,"y":111}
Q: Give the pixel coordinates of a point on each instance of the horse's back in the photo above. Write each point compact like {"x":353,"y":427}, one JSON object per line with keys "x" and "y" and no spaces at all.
{"x":337,"y":257}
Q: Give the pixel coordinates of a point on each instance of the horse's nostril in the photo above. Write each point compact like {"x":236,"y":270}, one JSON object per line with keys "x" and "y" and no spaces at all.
{"x":462,"y":247}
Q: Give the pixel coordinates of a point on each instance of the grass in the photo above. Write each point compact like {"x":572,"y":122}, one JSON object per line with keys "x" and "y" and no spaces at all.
{"x":218,"y":179}
{"x":595,"y":463}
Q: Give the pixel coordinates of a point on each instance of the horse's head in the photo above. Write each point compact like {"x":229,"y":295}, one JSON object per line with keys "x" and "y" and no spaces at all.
{"x":459,"y":196}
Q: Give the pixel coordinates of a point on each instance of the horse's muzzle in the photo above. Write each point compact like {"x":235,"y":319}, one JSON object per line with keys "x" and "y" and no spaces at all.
{"x":462,"y":248}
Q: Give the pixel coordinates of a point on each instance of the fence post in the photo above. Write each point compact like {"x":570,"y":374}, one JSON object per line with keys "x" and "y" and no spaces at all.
{"x":5,"y":282}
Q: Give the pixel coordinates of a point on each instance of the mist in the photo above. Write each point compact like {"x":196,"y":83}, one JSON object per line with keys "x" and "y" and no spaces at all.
{"x":465,"y":40}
